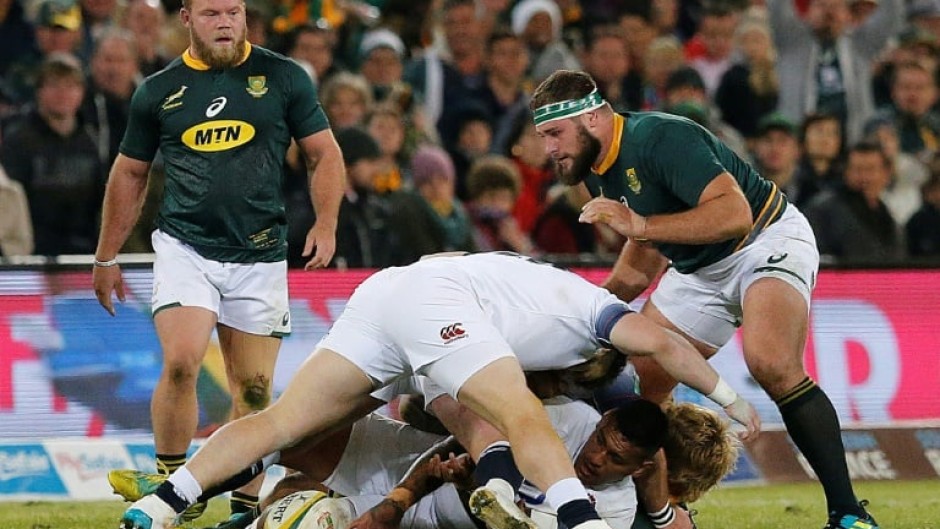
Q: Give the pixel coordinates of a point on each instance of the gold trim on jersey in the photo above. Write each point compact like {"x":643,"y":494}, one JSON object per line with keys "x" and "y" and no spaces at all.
{"x":771,"y":211}
{"x":614,"y":151}
{"x":197,"y":64}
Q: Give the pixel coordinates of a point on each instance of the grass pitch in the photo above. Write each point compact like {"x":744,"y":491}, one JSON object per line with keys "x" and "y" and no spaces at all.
{"x":898,"y":505}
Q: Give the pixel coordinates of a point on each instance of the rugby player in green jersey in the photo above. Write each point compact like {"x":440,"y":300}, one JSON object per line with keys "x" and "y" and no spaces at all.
{"x":222,"y":116}
{"x":741,"y":255}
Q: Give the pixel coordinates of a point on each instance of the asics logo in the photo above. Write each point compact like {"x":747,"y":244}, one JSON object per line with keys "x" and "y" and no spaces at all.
{"x":776,"y":258}
{"x":453,"y":332}
{"x":217,"y":105}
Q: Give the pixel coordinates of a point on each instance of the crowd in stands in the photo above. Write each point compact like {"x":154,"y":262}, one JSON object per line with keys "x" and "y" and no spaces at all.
{"x":834,"y":100}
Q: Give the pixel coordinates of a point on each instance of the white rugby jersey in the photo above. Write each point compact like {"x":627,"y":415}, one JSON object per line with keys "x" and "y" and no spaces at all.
{"x":552,"y":318}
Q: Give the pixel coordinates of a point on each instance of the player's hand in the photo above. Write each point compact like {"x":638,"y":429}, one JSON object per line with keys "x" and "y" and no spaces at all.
{"x":618,"y":216}
{"x":742,"y":411}
{"x":456,"y":469}
{"x":321,"y":238}
{"x":107,"y":279}
{"x":386,"y":515}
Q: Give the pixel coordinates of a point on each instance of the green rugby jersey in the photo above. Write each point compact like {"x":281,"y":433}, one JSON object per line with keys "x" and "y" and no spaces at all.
{"x":223,"y":135}
{"x":660,"y":164}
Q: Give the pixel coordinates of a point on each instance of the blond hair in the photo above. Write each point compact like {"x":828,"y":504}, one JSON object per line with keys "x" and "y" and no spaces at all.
{"x":700,"y":450}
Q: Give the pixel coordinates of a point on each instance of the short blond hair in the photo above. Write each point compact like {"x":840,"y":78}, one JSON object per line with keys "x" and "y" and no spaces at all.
{"x":700,"y":450}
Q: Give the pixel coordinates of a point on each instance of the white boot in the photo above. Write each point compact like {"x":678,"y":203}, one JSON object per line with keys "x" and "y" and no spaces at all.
{"x":493,"y":504}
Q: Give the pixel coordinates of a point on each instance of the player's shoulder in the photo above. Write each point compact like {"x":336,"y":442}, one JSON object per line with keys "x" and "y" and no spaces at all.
{"x":273,"y":60}
{"x":155,"y":84}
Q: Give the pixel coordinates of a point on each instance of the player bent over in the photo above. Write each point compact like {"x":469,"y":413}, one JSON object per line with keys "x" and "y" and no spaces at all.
{"x":470,"y":324}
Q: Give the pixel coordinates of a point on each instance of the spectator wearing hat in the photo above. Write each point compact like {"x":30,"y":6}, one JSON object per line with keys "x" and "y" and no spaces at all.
{"x":925,"y":15}
{"x":539,"y":24}
{"x":851,"y":222}
{"x":777,"y":153}
{"x":923,"y":228}
{"x":56,"y":160}
{"x":685,"y":94}
{"x":430,"y":218}
{"x":824,"y":63}
{"x":908,"y":174}
{"x":750,"y":89}
{"x":381,"y":56}
{"x":364,"y":238}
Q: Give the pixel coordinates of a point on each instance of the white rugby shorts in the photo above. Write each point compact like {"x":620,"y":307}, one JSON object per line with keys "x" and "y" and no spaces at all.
{"x":401,"y":321}
{"x":707,"y":304}
{"x":250,"y":297}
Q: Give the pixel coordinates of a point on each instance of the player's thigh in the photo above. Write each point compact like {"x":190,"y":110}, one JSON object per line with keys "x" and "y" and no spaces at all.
{"x":184,"y":334}
{"x":326,"y":391}
{"x":254,"y":298}
{"x":497,"y":392}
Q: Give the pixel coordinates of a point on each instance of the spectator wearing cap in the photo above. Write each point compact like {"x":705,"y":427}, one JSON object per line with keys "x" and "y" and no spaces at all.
{"x":685,"y":94}
{"x":908,"y":174}
{"x":925,"y":15}
{"x":430,"y":218}
{"x":824,"y":63}
{"x":750,"y":89}
{"x":364,"y":238}
{"x":539,"y":24}
{"x":381,"y":56}
{"x":777,"y":153}
{"x":56,"y":160}
{"x":923,"y":234}
{"x":851,"y":222}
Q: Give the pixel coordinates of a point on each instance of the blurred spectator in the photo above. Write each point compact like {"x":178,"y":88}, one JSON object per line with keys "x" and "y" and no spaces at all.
{"x":914,"y":45}
{"x":446,"y":71}
{"x":431,"y":219}
{"x":346,"y":99}
{"x":821,"y":164}
{"x":381,"y":55}
{"x":56,"y":160}
{"x":824,"y":63}
{"x":925,"y":15}
{"x":493,"y":185}
{"x":663,"y":57}
{"x":685,"y":86}
{"x":474,"y":139}
{"x":914,"y":94}
{"x":557,"y":229}
{"x":923,"y":229}
{"x":17,"y":36}
{"x":144,"y":19}
{"x":710,"y":50}
{"x":97,"y":16}
{"x":750,"y":89}
{"x":851,"y":222}
{"x":527,"y":151}
{"x":777,"y":152}
{"x":908,"y":174}
{"x":666,"y":17}
{"x":538,"y":23}
{"x":16,"y":228}
{"x":313,"y":44}
{"x":386,"y":125}
{"x":503,"y":92}
{"x":364,"y":238}
{"x":635,"y":18}
{"x":114,"y":76}
{"x":608,"y":61}
{"x":57,"y":29}
{"x":256,"y":20}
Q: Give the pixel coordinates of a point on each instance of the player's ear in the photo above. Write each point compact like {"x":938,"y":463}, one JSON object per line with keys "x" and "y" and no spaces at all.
{"x":645,"y":468}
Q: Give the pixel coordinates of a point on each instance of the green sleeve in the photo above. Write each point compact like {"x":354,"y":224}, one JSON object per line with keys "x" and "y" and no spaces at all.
{"x":142,"y":137}
{"x":305,"y":116}
{"x":682,"y":157}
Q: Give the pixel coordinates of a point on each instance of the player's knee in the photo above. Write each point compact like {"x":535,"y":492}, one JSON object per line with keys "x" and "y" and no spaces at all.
{"x":181,"y":374}
{"x":255,"y":394}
